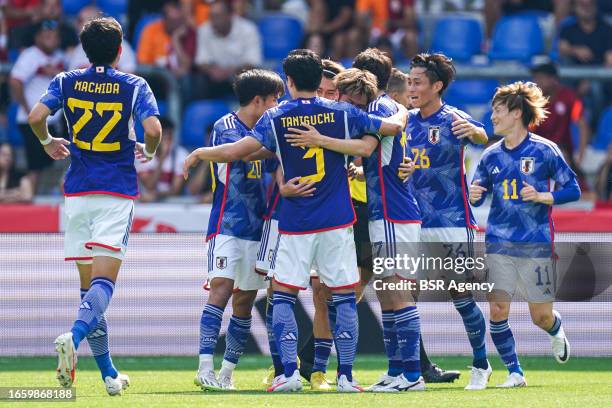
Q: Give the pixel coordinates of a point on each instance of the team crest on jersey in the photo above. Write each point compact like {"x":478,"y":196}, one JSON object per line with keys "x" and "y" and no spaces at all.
{"x":221,"y":262}
{"x":433,"y":134}
{"x":527,"y":165}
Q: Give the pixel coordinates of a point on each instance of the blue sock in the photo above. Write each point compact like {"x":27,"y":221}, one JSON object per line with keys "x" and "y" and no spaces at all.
{"x":331,"y":315}
{"x":285,"y":330}
{"x":276,"y":361}
{"x":556,"y":324}
{"x":504,"y":342}
{"x":346,"y":332}
{"x":210,"y":324}
{"x":321,"y":356}
{"x":92,"y":306}
{"x":475,"y":327}
{"x":390,"y":339}
{"x":237,"y":335}
{"x":98,"y":343}
{"x":408,"y":327}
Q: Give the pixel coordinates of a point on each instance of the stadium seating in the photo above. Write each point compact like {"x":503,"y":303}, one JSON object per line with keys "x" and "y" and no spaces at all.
{"x":115,"y":8}
{"x":471,"y":91}
{"x":603,"y":138}
{"x":279,"y":35}
{"x":516,"y":37}
{"x":141,"y":24}
{"x":72,"y":7}
{"x":458,"y":37}
{"x":554,"y":47}
{"x":198,"y":116}
{"x":14,"y":135}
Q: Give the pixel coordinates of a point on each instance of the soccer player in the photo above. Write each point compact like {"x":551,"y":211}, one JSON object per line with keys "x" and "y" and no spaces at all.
{"x":439,"y":134}
{"x":517,"y":173}
{"x":234,"y":230}
{"x":100,"y":104}
{"x":313,"y":229}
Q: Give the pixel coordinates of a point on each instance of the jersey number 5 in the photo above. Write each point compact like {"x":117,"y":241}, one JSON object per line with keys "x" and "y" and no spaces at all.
{"x":317,"y":153}
{"x":97,"y":144}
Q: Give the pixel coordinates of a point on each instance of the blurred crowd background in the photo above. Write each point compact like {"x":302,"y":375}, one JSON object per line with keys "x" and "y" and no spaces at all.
{"x":190,"y":50}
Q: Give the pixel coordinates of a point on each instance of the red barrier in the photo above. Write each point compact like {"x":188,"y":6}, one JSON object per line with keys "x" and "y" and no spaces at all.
{"x":583,"y":221}
{"x":29,"y":218}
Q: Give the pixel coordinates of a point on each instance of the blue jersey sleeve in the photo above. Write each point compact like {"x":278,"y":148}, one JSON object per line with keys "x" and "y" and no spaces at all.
{"x":567,"y":188}
{"x":263,"y":132}
{"x":145,"y":105}
{"x":53,"y":98}
{"x":360,"y":123}
{"x":484,"y":180}
{"x":226,"y":136}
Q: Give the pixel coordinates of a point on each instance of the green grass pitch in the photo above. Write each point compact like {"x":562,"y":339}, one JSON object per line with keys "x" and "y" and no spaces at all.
{"x":168,"y":382}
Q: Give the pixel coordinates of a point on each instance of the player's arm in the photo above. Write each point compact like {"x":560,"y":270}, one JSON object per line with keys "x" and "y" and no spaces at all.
{"x":480,"y":185}
{"x":224,"y":153}
{"x":152,"y":137}
{"x":395,"y":124}
{"x":55,"y":147}
{"x":261,"y":154}
{"x":311,"y":137}
{"x":293,"y":187}
{"x":567,"y":190}
{"x":463,"y":128}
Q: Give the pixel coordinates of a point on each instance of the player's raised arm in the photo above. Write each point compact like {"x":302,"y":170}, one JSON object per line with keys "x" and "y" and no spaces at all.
{"x":394,"y":125}
{"x":225,"y":153}
{"x":311,"y":137}
{"x":463,"y":128}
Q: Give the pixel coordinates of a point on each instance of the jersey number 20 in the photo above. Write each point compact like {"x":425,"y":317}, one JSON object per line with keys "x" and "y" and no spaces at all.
{"x":97,"y":144}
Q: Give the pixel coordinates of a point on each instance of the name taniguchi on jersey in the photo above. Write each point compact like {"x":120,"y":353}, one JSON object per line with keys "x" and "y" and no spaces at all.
{"x":100,"y":104}
{"x":502,"y":171}
{"x":439,"y":177}
{"x":236,"y":217}
{"x":317,"y":229}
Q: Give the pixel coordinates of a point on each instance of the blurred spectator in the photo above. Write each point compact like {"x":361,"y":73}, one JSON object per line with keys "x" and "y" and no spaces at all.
{"x":140,"y":8}
{"x":397,"y":88}
{"x":395,"y":19}
{"x":226,"y":44}
{"x":30,"y":76}
{"x":332,"y":19}
{"x":162,"y":177}
{"x":20,"y":12}
{"x":316,"y":43}
{"x":77,"y":58}
{"x":587,"y":41}
{"x":22,"y":37}
{"x":15,"y":187}
{"x":494,"y":9}
{"x":169,"y":42}
{"x":200,"y":180}
{"x":197,"y":9}
{"x":604,"y":178}
{"x":384,"y":44}
{"x":564,"y":108}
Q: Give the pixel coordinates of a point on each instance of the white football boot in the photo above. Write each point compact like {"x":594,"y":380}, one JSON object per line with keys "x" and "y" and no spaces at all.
{"x":114,"y":386}
{"x":513,"y":380}
{"x":344,"y":385}
{"x":382,"y":382}
{"x":284,"y":384}
{"x":207,"y":380}
{"x":401,"y":384}
{"x":66,"y":359}
{"x":479,"y":377}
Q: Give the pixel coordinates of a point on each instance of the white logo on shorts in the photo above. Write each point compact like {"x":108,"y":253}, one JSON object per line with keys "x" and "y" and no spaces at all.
{"x":270,"y":255}
{"x":527,"y":165}
{"x":221,"y":262}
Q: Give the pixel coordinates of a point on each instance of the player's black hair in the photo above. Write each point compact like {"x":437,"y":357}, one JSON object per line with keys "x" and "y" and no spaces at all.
{"x":305,"y":69}
{"x":378,"y":63}
{"x":438,"y":67}
{"x":166,"y":123}
{"x":101,"y":39}
{"x":257,"y":82}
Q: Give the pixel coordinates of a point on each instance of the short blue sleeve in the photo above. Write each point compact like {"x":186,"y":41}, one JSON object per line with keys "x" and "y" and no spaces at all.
{"x":53,"y":97}
{"x":145,"y":105}
{"x":560,"y":171}
{"x":263,"y":132}
{"x":360,"y":123}
{"x":225,"y":136}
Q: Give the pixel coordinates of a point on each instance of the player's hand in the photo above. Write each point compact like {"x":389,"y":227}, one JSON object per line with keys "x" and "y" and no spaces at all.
{"x":528,"y":193}
{"x":191,"y":160}
{"x":57,"y":149}
{"x":297,"y":188}
{"x":303,"y":138}
{"x":476,"y":191}
{"x":355,"y":172}
{"x":461,"y":128}
{"x":139,"y":153}
{"x":406,"y":169}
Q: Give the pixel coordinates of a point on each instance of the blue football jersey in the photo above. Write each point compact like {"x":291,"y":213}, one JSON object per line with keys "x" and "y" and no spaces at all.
{"x":274,"y":198}
{"x":502,"y":171}
{"x":439,"y":177}
{"x":330,"y":207}
{"x":238,"y":195}
{"x":388,"y":196}
{"x":100,"y":105}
